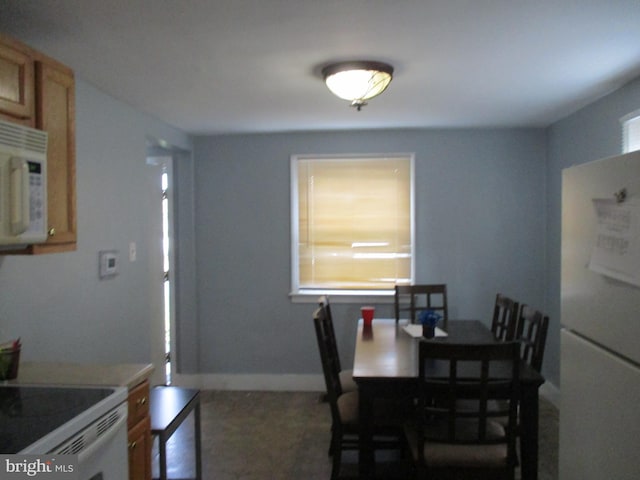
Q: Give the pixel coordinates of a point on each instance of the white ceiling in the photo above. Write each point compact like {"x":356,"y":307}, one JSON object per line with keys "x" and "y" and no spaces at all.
{"x":225,"y":66}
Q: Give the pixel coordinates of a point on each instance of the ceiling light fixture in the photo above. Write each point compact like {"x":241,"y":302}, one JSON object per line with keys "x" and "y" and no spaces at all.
{"x":357,"y":81}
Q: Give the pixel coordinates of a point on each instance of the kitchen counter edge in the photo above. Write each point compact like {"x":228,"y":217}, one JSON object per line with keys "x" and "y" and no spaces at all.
{"x":54,"y":373}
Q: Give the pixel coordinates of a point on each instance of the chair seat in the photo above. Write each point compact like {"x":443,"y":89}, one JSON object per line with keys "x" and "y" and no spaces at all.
{"x":347,"y":381}
{"x":386,"y":413}
{"x":348,"y":407}
{"x":442,"y":454}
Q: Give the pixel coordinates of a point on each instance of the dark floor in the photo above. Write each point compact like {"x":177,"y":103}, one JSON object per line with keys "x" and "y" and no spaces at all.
{"x":284,"y":435}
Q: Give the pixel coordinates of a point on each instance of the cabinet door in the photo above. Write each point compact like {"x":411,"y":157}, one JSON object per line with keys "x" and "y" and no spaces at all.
{"x":55,"y":113}
{"x":140,"y":451}
{"x":138,"y":403}
{"x":16,"y":82}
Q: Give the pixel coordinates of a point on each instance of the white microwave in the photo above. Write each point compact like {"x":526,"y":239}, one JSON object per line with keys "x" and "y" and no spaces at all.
{"x":23,"y":185}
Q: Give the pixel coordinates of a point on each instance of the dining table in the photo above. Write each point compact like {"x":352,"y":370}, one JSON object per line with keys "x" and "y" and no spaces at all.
{"x":386,"y":366}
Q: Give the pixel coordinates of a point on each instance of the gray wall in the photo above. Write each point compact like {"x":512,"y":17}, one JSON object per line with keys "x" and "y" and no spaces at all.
{"x":480,"y":222}
{"x":488,"y":220}
{"x":56,"y":302}
{"x":593,"y":132}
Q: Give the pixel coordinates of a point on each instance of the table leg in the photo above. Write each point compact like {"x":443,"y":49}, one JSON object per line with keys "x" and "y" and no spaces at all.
{"x":366,"y":459}
{"x":529,"y":411}
{"x":196,"y":419}
{"x":162,"y":447}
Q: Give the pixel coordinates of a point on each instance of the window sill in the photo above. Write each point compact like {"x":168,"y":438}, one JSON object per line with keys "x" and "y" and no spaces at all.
{"x":343,"y":296}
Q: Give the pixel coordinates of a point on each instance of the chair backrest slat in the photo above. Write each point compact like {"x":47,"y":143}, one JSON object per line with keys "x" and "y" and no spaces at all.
{"x":485,"y":377}
{"x":421,"y":297}
{"x":323,"y":301}
{"x":532,"y":335}
{"x":505,"y":318}
{"x":331,"y":374}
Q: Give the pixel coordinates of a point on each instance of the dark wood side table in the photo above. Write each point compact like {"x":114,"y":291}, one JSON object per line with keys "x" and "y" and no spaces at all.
{"x":169,"y":406}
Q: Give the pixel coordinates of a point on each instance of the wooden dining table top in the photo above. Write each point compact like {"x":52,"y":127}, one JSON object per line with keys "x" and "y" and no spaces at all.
{"x":385,"y":351}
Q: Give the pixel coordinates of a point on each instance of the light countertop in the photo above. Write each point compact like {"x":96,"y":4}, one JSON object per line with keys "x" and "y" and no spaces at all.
{"x":56,"y":373}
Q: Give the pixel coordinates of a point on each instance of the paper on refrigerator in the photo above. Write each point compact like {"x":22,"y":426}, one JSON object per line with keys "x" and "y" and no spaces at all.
{"x":616,"y":249}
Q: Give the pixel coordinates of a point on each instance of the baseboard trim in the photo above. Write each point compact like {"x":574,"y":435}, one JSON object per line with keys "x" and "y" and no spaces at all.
{"x":552,"y":393}
{"x":302,"y":383}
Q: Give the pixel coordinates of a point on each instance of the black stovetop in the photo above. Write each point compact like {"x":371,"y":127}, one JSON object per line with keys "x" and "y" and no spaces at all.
{"x":28,"y":413}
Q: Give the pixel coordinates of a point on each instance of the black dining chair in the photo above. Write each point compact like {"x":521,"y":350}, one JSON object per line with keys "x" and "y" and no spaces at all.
{"x":346,"y":376}
{"x":505,"y":318}
{"x":531,"y":332}
{"x":531,"y":335}
{"x":344,"y":406}
{"x":448,"y":440}
{"x":416,"y":298}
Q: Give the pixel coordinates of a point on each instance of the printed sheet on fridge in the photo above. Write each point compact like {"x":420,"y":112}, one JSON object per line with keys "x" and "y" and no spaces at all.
{"x":616,"y":249}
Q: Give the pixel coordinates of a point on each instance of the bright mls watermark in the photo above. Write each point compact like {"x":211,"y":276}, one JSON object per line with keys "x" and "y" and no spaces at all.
{"x":51,"y":467}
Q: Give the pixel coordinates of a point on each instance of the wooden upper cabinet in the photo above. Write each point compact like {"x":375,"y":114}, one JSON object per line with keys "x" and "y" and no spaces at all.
{"x":16,"y":83}
{"x":55,"y":114}
{"x":39,"y":92}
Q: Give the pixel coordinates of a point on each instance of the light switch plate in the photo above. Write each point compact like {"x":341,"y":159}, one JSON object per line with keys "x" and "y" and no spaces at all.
{"x":109,"y":263}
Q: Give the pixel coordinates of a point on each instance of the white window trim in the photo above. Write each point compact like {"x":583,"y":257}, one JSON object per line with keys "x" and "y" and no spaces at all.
{"x":298,"y":295}
{"x":623,"y":121}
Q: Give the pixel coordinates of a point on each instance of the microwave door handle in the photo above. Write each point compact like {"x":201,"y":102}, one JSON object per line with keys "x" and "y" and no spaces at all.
{"x":19,"y":195}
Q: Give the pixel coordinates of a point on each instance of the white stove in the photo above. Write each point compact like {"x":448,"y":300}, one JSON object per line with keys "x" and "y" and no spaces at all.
{"x":90,"y":422}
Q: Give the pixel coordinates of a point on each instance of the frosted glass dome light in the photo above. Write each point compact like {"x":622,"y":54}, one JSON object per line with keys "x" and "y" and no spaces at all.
{"x":357,"y":81}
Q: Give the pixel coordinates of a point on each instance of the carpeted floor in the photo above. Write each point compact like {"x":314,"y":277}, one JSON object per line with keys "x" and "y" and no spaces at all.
{"x":285,"y":435}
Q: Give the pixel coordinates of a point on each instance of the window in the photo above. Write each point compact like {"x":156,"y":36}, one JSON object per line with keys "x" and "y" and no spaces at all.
{"x":631,"y":132}
{"x":352,"y":223}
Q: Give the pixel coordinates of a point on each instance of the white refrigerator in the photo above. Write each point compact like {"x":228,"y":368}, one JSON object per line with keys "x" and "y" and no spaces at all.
{"x":600,"y":316}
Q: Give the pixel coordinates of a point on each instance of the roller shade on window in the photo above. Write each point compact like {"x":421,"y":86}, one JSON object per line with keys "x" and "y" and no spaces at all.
{"x":354,"y":225}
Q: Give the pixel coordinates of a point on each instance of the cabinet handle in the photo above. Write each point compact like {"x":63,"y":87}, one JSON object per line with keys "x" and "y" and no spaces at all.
{"x":52,"y":232}
{"x":132,"y":445}
{"x":142,"y":401}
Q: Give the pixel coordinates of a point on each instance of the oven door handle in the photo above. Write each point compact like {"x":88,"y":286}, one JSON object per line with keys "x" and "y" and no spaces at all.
{"x":102,"y":439}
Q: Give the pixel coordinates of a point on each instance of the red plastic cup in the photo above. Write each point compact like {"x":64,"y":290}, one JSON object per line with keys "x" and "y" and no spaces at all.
{"x":367,"y":315}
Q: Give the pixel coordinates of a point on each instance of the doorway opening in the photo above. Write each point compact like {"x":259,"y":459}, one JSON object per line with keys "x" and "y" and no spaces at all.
{"x":163,"y":232}
{"x":166,"y":277}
